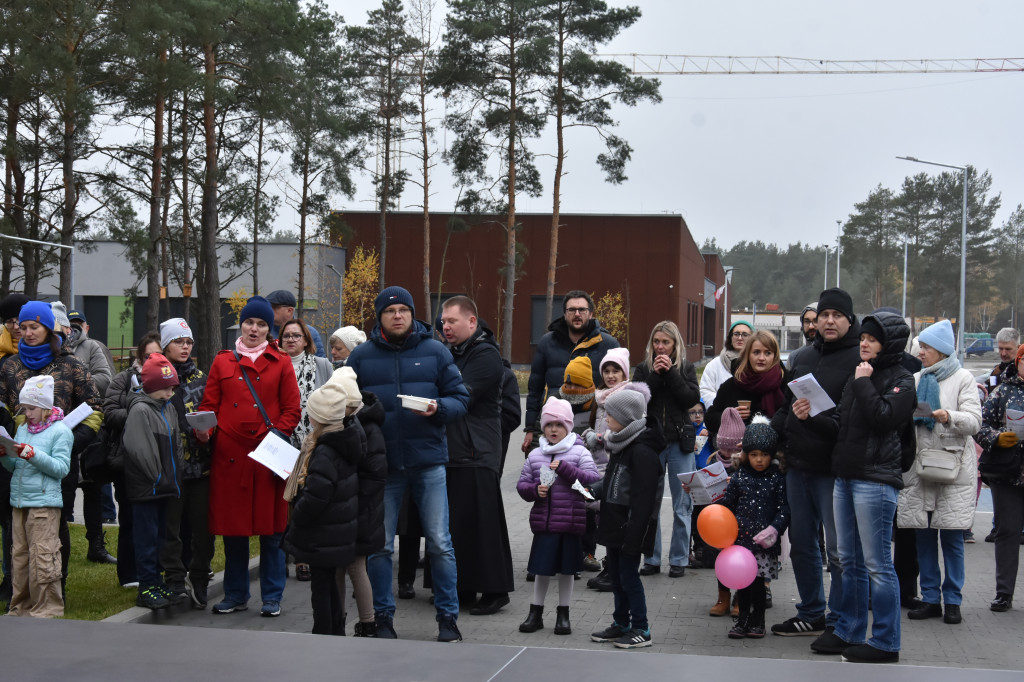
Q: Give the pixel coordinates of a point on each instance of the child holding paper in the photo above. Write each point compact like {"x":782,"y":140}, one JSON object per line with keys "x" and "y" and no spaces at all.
{"x":42,"y":458}
{"x":153,"y":474}
{"x":757,"y":496}
{"x":559,"y":515}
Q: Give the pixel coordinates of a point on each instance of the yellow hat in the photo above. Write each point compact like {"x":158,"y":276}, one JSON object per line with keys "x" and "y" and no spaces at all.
{"x":580,"y":372}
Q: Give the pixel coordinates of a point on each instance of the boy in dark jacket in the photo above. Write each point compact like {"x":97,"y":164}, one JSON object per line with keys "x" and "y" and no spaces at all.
{"x":630,"y":491}
{"x":153,"y":463}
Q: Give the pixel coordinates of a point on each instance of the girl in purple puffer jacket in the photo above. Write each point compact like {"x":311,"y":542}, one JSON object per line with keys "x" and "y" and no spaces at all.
{"x":559,"y":515}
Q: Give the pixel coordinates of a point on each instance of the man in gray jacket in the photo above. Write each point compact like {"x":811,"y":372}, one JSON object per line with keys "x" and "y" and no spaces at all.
{"x":94,"y":354}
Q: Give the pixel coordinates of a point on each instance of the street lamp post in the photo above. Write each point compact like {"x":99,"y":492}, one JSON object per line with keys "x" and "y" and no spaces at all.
{"x":839,"y":248}
{"x":960,"y":351}
{"x":826,"y":267}
{"x":906,"y":245}
{"x":69,"y":247}
{"x":341,"y":283}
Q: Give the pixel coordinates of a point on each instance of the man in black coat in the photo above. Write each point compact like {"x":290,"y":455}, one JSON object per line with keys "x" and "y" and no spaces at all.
{"x":476,"y":512}
{"x":576,"y":333}
{"x":808,"y":443}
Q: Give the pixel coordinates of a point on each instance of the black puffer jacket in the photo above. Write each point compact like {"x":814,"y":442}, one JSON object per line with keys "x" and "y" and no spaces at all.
{"x":874,"y":412}
{"x":635,"y":474}
{"x":373,"y":474}
{"x":808,"y":444}
{"x":758,"y":499}
{"x":188,"y":394}
{"x":673,"y":393}
{"x":554,"y":351}
{"x":322,"y":528}
{"x":475,"y":440}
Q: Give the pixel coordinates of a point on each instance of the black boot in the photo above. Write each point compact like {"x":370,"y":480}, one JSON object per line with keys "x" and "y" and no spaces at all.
{"x":534,"y":621}
{"x":365,"y":629}
{"x":562,"y":626}
{"x":602,"y":582}
{"x":98,"y":553}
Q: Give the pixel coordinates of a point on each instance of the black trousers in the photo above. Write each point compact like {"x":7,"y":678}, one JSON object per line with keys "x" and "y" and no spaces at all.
{"x":92,"y":509}
{"x":328,"y":611}
{"x":126,"y":572}
{"x":751,"y":600}
{"x":904,"y":559}
{"x":194,"y":548}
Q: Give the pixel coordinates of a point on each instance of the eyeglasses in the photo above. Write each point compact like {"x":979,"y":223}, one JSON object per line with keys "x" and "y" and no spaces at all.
{"x":696,"y":413}
{"x":11,"y":322}
{"x":393,"y":312}
{"x":291,"y":337}
{"x":740,"y":335}
{"x":183,"y":342}
{"x":577,"y":311}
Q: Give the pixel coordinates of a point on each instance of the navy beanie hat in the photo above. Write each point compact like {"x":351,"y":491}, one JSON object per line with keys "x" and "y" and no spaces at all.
{"x":838,"y":300}
{"x":393,"y":296}
{"x":257,"y":307}
{"x":37,"y":311}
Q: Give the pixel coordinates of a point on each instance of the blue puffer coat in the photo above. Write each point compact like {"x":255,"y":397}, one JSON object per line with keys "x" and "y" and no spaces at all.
{"x":421,"y":367}
{"x":36,"y":482}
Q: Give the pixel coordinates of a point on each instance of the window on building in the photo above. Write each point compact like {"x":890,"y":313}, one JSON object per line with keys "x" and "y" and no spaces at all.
{"x":539,"y":325}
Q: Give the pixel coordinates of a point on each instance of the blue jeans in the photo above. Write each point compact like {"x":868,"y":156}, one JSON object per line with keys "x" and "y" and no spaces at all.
{"x":928,"y":540}
{"x":810,"y":506}
{"x":236,"y":568}
{"x":429,"y":493}
{"x":863,"y":512}
{"x":627,"y":589}
{"x":147,"y":536}
{"x":677,"y":462}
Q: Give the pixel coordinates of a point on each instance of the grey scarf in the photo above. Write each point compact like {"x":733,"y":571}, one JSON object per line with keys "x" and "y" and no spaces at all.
{"x":617,"y":442}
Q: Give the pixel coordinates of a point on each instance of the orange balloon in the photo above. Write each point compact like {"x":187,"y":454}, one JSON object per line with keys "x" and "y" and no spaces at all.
{"x":717,"y":526}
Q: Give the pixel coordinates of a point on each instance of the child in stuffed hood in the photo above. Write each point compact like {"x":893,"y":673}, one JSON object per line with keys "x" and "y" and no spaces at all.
{"x":38,"y":463}
{"x":578,"y":390}
{"x":559,"y":515}
{"x":729,"y":442}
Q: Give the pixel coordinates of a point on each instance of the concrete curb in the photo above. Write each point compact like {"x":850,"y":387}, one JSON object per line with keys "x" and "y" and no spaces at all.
{"x":138,"y":614}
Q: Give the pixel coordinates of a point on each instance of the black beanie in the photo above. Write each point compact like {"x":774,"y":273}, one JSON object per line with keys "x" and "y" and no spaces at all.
{"x":871,"y":326}
{"x":10,"y":305}
{"x":836,"y":299}
{"x":760,"y":436}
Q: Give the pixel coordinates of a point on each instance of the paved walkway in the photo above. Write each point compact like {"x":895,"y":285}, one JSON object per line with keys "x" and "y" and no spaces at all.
{"x":678,"y":611}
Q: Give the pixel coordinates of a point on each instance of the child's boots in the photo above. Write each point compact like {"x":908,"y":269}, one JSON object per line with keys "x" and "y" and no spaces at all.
{"x":535,"y":620}
{"x":562,"y":626}
{"x":721,"y":607}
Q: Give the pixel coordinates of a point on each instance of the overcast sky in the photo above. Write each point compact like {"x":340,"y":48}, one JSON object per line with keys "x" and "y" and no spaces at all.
{"x":781,"y":158}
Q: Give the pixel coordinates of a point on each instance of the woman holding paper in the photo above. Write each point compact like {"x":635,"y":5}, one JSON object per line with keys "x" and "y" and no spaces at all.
{"x":39,"y":353}
{"x":998,"y":438}
{"x":246,"y":498}
{"x":940,"y":511}
{"x":756,"y":387}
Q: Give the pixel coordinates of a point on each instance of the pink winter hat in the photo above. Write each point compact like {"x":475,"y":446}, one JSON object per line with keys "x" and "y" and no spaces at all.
{"x":618,"y":356}
{"x":731,"y":430}
{"x":558,"y":411}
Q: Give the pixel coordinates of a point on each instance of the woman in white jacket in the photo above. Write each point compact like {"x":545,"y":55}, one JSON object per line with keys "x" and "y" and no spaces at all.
{"x":942,"y":511}
{"x":719,"y":370}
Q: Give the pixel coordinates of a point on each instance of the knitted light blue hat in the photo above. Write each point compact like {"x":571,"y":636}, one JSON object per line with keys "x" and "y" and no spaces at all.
{"x":940,"y":337}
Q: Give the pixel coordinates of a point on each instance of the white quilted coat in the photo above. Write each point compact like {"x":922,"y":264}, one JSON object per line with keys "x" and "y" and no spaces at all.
{"x":952,"y":505}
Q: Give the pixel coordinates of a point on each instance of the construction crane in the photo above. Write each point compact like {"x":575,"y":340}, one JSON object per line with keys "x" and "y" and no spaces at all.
{"x":696,"y":65}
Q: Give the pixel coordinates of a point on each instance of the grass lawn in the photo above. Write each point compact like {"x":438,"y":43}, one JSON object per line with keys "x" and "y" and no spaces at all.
{"x":93,"y":592}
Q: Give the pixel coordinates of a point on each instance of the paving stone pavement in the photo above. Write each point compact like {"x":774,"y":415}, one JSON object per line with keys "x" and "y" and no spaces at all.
{"x":678,"y":610}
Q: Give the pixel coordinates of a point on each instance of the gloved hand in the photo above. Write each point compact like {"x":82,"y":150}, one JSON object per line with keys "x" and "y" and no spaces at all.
{"x":25,"y":451}
{"x":768,"y":537}
{"x":1007,"y":439}
{"x":590,"y":439}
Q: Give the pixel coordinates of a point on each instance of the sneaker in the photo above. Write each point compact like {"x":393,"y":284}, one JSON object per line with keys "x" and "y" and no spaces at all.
{"x":197,"y":593}
{"x":172,"y":595}
{"x":609,"y":634}
{"x":1002,"y":602}
{"x":228,"y":606}
{"x":755,"y":631}
{"x":991,"y":537}
{"x":634,"y":639}
{"x":969,"y":537}
{"x":152,"y":598}
{"x":676,"y":571}
{"x":952,"y":614}
{"x":602,"y":582}
{"x":591,"y":564}
{"x":865,"y":653}
{"x":740,"y":629}
{"x":829,"y":643}
{"x":270,"y":609}
{"x":385,"y":627}
{"x":130,"y":585}
{"x":925,"y":610}
{"x":797,"y":626}
{"x":447,"y":630}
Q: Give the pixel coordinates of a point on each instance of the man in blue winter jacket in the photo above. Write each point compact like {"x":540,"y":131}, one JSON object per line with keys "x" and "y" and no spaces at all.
{"x":401,"y":358}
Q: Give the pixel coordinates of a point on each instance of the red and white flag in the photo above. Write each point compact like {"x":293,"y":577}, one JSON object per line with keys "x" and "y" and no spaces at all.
{"x":719,"y":291}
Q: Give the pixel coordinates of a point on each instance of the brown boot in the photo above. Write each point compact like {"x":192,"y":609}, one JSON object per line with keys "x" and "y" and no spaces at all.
{"x":721,"y":607}
{"x":736,"y":605}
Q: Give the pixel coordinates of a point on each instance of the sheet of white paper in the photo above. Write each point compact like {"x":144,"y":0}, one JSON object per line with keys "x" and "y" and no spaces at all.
{"x":706,"y":485}
{"x":699,"y":443}
{"x":547,"y":476}
{"x":201,"y":421}
{"x":1015,"y":421}
{"x":75,"y":416}
{"x":578,"y":487}
{"x":993,"y":381}
{"x":808,"y":387}
{"x":923,"y":410}
{"x":135,"y":381}
{"x":276,"y":454}
{"x":9,"y":443}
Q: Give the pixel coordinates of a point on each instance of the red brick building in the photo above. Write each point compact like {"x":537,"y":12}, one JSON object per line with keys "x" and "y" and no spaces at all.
{"x":652,"y":259}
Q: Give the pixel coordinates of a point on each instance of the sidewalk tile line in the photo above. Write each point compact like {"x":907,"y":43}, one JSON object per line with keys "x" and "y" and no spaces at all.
{"x":491,"y":678}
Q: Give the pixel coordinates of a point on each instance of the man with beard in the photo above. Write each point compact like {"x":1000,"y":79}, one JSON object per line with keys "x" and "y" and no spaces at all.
{"x":477,"y":514}
{"x":808,"y":319}
{"x":575,"y":334}
{"x":400,"y":357}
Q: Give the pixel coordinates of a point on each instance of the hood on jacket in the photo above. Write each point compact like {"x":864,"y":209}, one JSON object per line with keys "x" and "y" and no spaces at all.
{"x":561,"y":328}
{"x":483,"y":334}
{"x":895,"y":332}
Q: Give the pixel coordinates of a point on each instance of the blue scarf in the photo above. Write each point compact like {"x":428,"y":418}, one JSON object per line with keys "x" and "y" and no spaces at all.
{"x":928,"y":387}
{"x":35,"y":357}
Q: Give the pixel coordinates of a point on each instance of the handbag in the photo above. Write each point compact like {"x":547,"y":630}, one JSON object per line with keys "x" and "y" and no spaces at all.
{"x":259,"y":403}
{"x":937,"y":466}
{"x":1000,"y":464}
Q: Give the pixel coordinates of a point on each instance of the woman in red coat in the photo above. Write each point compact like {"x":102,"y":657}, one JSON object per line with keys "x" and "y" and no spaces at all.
{"x":246,"y":498}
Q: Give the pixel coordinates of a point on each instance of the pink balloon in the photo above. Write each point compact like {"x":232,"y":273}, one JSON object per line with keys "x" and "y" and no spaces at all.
{"x":736,"y":567}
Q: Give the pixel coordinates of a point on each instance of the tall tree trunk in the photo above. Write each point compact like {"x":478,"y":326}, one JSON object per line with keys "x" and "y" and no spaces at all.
{"x":186,"y":207}
{"x":426,"y":196}
{"x":384,"y":196}
{"x":165,"y":232}
{"x":155,"y":189}
{"x":510,"y":242}
{"x":67,"y":217}
{"x":303,"y":208}
{"x":257,"y":202}
{"x":14,"y":195}
{"x":556,"y":202}
{"x":209,"y":283}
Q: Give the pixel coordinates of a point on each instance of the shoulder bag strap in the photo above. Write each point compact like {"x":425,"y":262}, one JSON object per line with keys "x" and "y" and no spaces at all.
{"x":259,"y":403}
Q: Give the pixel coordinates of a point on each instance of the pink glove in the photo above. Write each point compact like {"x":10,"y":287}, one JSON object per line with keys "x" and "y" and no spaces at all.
{"x":25,"y":451}
{"x":768,"y":537}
